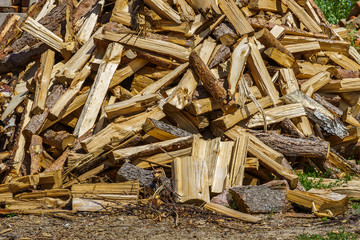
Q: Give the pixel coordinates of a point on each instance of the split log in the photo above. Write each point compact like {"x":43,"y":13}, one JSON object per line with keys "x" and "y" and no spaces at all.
{"x":290,"y":128}
{"x":132,"y":153}
{"x":8,"y":30}
{"x":319,"y":203}
{"x":98,"y":91}
{"x":237,"y":163}
{"x":328,"y":105}
{"x":315,"y":83}
{"x":211,"y":83}
{"x":340,"y":73}
{"x":230,"y":212}
{"x":327,"y":121}
{"x":268,"y":5}
{"x":185,"y":172}
{"x":295,"y":147}
{"x":36,"y":151}
{"x":225,"y":34}
{"x":163,"y":131}
{"x":221,"y":56}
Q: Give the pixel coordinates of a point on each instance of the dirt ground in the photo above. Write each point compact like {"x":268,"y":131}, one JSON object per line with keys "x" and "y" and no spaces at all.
{"x":190,"y":224}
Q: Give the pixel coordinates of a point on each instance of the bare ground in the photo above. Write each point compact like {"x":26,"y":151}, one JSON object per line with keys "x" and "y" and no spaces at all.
{"x":190,"y":224}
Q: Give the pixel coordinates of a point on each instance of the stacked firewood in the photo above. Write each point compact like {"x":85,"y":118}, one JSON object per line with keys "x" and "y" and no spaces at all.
{"x":104,"y":103}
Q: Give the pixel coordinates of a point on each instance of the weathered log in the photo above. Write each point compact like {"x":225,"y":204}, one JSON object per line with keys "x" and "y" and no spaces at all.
{"x":328,"y":105}
{"x":225,"y":34}
{"x":163,"y":131}
{"x":211,"y":84}
{"x":60,"y":139}
{"x":294,"y":147}
{"x":221,"y":56}
{"x":290,"y":128}
{"x":36,"y":152}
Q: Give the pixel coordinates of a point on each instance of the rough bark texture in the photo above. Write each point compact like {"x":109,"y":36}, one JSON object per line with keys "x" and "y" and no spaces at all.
{"x":340,"y":73}
{"x":294,"y":147}
{"x":60,"y":139}
{"x":225,"y":34}
{"x":290,"y":128}
{"x":221,"y":56}
{"x":36,"y":152}
{"x":328,"y":105}
{"x":258,"y":199}
{"x":211,"y":84}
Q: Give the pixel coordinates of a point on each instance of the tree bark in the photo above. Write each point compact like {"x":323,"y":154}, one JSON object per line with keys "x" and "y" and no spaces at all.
{"x":294,"y":147}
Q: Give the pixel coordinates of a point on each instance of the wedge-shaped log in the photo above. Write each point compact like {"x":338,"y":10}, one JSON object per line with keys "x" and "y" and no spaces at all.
{"x":327,"y":121}
{"x":131,"y":153}
{"x":260,"y":73}
{"x":301,"y":14}
{"x":307,"y":70}
{"x":236,"y":17}
{"x":303,"y":47}
{"x":277,"y":114}
{"x":134,"y":104}
{"x":316,"y":82}
{"x":43,"y":82}
{"x":295,"y":147}
{"x":152,"y":45}
{"x":190,"y":178}
{"x":201,"y":106}
{"x":319,"y":203}
{"x":165,"y":81}
{"x":354,"y":54}
{"x":280,"y":57}
{"x":163,"y":131}
{"x":120,"y":131}
{"x":101,"y":196}
{"x":343,"y":61}
{"x":98,"y":91}
{"x":60,"y":106}
{"x":164,"y":10}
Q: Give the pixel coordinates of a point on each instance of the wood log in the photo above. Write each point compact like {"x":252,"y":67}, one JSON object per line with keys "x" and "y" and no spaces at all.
{"x":36,"y":151}
{"x":120,"y":131}
{"x":211,"y":83}
{"x":343,"y":61}
{"x":125,"y":72}
{"x":163,"y":131}
{"x":281,"y":58}
{"x":185,"y":172}
{"x":277,"y":114}
{"x":132,"y":105}
{"x":316,"y":82}
{"x":328,"y":105}
{"x":290,"y":128}
{"x":221,"y":56}
{"x":335,"y":203}
{"x":102,"y":196}
{"x":236,"y":17}
{"x":287,"y":81}
{"x":221,"y":167}
{"x":61,"y":139}
{"x":230,"y":212}
{"x":307,"y":70}
{"x":260,"y":73}
{"x":8,"y":30}
{"x":164,"y":10}
{"x":237,"y":163}
{"x":98,"y":91}
{"x":225,"y":34}
{"x":327,"y":121}
{"x":137,"y":152}
{"x":258,"y":199}
{"x":340,"y":73}
{"x":268,"y":5}
{"x":295,"y":147}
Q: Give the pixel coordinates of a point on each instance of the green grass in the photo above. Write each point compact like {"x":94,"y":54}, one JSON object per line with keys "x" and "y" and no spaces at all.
{"x":308,"y":183}
{"x":341,"y":235}
{"x":334,"y":10}
{"x":356,"y":206}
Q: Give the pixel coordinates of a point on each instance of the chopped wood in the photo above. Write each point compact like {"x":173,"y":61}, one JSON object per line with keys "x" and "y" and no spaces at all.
{"x":163,"y":131}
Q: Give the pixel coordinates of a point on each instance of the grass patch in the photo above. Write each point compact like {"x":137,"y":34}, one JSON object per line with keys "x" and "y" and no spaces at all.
{"x":306,"y":180}
{"x":334,"y":10}
{"x":341,"y":235}
{"x":356,"y":206}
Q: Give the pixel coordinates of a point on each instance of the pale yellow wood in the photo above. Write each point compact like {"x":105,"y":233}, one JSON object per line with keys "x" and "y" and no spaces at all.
{"x":164,"y":10}
{"x":303,"y":47}
{"x":344,"y":85}
{"x":343,"y":61}
{"x":316,"y":82}
{"x":237,"y":163}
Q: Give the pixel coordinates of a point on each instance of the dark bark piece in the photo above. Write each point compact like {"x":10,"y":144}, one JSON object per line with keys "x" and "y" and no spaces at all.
{"x":51,"y":21}
{"x":221,"y":56}
{"x":37,"y":121}
{"x":36,"y":153}
{"x":59,"y":162}
{"x":334,"y":99}
{"x":265,"y":37}
{"x":317,"y":113}
{"x":211,"y":84}
{"x":258,"y":199}
{"x":328,"y":105}
{"x":146,"y":177}
{"x":340,"y":73}
{"x":81,"y":10}
{"x":294,"y":147}
{"x":61,"y":139}
{"x":290,"y":128}
{"x":8,"y":30}
{"x":225,"y":34}
{"x":163,"y":131}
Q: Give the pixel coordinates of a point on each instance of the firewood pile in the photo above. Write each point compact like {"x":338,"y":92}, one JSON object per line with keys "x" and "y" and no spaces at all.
{"x":105,"y":103}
